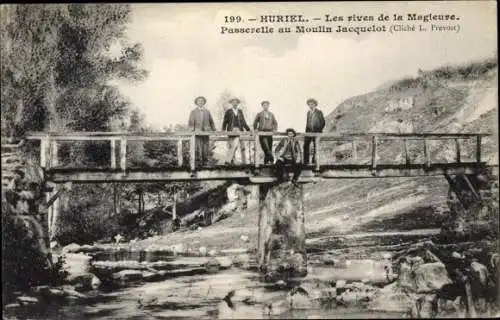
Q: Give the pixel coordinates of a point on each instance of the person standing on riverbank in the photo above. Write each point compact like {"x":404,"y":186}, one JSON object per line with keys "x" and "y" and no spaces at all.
{"x":200,"y":119}
{"x":266,"y":122}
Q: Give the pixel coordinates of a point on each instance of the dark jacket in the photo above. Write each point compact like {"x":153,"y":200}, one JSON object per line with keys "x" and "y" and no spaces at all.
{"x":201,"y":120}
{"x":295,"y":152}
{"x":263,"y":123}
{"x":315,"y":121}
{"x":231,"y":121}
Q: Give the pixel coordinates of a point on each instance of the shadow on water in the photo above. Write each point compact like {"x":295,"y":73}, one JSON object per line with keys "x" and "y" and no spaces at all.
{"x":141,"y":256}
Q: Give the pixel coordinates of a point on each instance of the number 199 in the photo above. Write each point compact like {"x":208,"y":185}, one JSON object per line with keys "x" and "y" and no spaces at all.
{"x":232,"y":19}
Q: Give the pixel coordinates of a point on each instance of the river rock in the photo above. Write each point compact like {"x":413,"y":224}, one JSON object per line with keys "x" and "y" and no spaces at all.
{"x":224,"y":262}
{"x":55,"y":292}
{"x":356,"y":293}
{"x":298,"y":298}
{"x":242,"y":260}
{"x":117,"y":266}
{"x":26,"y":300}
{"x":392,"y":298}
{"x":234,"y":251}
{"x":328,"y":260}
{"x":70,"y":292}
{"x":424,"y":307}
{"x":340,"y":284}
{"x":76,"y":264}
{"x":178,"y":248}
{"x":84,"y":282}
{"x":430,"y":277}
{"x":128,"y":275}
{"x":150,"y":276}
{"x":212,"y":266}
{"x":480,"y":272}
{"x":70,"y":248}
{"x":405,"y":278}
{"x":87,"y":248}
{"x":203,"y":251}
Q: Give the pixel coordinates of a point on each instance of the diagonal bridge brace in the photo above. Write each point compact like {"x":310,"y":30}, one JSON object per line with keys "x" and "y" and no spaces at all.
{"x":67,"y":187}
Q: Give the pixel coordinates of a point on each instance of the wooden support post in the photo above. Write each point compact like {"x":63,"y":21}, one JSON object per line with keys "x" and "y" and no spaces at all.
{"x":49,"y":216}
{"x":179,"y":153}
{"x":43,"y":152}
{"x":354,"y":152}
{"x":427,"y":155}
{"x":257,"y":149}
{"x":116,"y":199}
{"x":406,"y":151}
{"x":316,"y":152}
{"x":374,"y":152}
{"x":123,"y":154}
{"x":174,"y":207}
{"x":53,"y":205}
{"x":281,"y":239}
{"x":54,"y":161}
{"x":113,"y":153}
{"x":478,"y":148}
{"x":192,"y":152}
{"x":457,"y":145}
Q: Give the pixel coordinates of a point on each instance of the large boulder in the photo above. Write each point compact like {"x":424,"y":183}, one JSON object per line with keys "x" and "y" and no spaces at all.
{"x":76,"y":264}
{"x":430,"y":277}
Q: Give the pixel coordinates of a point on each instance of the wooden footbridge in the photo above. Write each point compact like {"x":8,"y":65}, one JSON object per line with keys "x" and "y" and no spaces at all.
{"x":366,"y":155}
{"x":363,"y":155}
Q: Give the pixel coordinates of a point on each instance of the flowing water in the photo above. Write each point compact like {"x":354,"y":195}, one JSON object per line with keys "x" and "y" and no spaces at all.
{"x":201,"y":296}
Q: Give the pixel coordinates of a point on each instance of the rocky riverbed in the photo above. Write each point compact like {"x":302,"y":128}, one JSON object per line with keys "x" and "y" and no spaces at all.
{"x":378,"y":278}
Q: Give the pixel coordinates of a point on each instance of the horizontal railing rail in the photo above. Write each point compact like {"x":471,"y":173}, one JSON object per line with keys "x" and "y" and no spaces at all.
{"x":50,"y":141}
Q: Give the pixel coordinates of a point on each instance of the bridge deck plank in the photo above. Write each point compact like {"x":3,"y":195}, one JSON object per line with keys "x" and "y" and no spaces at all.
{"x":251,"y":174}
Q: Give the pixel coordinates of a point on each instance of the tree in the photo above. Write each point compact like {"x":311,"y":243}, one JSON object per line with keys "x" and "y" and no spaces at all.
{"x":56,"y":66}
{"x":56,"y":73}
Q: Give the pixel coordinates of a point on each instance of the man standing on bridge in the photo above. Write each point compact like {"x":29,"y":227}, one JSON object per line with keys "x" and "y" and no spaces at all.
{"x":201,"y":119}
{"x":266,"y":122}
{"x":234,"y":121}
{"x":315,"y":124}
{"x":288,"y":152}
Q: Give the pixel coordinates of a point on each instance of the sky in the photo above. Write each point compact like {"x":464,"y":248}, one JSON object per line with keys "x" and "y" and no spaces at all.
{"x":187,"y":55}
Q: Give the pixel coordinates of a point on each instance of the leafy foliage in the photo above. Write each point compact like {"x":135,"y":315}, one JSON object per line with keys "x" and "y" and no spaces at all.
{"x":23,"y":264}
{"x":57,"y":66}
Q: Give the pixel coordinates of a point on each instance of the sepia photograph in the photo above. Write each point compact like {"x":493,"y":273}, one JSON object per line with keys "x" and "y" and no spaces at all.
{"x":252,"y":160}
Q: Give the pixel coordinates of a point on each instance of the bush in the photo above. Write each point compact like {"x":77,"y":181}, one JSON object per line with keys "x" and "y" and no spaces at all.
{"x":24,"y":263}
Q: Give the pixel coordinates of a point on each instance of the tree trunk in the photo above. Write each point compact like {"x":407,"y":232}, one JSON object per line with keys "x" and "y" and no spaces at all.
{"x":282,"y":252}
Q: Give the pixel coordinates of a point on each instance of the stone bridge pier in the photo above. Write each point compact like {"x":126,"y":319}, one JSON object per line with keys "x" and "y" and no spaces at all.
{"x":281,"y":242}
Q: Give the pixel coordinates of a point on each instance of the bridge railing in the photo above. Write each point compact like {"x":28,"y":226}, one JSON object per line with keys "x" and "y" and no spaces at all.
{"x":329,"y":145}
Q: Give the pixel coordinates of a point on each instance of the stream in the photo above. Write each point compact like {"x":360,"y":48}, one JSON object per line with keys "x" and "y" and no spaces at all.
{"x":200,"y":295}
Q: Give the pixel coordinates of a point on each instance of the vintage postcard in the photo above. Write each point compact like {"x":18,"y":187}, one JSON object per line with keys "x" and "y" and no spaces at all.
{"x":250,"y":160}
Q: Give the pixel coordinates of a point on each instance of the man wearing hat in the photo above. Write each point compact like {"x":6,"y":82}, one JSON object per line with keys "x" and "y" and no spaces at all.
{"x":288,"y":152}
{"x":201,"y":119}
{"x":266,"y":122}
{"x":234,"y":121}
{"x":315,"y":123}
